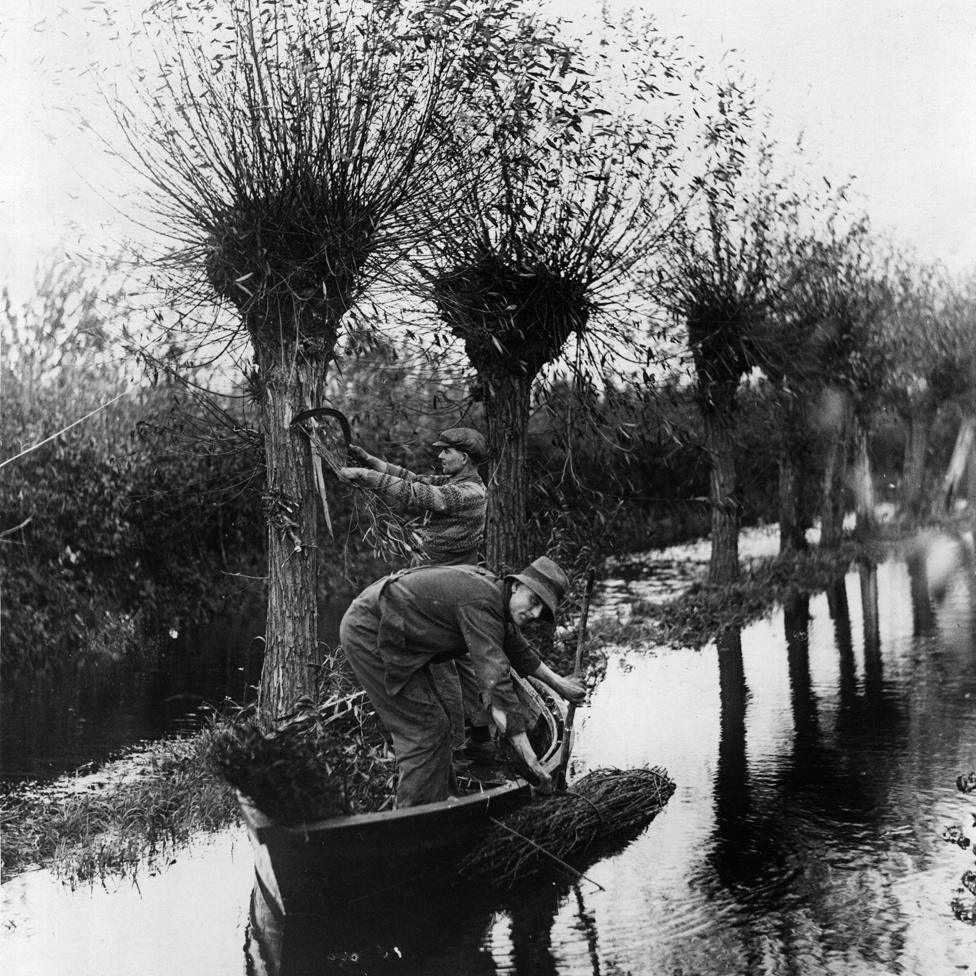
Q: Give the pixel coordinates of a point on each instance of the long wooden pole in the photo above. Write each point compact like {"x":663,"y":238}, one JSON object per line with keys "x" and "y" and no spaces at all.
{"x":567,"y":745}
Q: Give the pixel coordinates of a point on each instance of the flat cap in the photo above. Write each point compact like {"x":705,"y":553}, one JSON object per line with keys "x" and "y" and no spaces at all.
{"x":465,"y":439}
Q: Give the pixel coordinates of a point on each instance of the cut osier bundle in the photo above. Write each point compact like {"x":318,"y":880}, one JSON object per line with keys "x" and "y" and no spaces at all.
{"x":605,"y":806}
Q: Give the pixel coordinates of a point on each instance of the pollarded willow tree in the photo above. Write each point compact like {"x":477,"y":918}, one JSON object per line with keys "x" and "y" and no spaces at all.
{"x":959,"y":316}
{"x":290,"y":149}
{"x":829,"y":365}
{"x":574,"y":194}
{"x":811,"y":341}
{"x":929,"y":332}
{"x":717,"y":282}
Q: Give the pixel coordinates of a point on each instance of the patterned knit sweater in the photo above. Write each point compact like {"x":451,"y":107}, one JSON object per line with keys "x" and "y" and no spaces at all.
{"x":453,"y":508}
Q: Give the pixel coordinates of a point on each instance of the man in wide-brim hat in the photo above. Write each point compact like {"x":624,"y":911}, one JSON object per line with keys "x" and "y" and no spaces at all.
{"x":402,"y":624}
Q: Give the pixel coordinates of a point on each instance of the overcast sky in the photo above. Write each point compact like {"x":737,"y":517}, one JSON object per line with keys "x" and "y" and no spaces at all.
{"x":884,"y":90}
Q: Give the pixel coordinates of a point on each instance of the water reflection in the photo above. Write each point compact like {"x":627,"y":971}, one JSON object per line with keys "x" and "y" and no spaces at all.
{"x":434,"y":931}
{"x":451,"y":928}
{"x":69,"y":711}
{"x":815,"y":755}
{"x":923,"y":614}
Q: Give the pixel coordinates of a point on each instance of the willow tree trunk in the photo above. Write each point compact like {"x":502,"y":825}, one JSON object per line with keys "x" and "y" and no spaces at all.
{"x":507,"y":415}
{"x":792,"y":533}
{"x":916,"y":451}
{"x":794,"y":467}
{"x":292,"y":513}
{"x":832,"y":495}
{"x":723,"y":566}
{"x":863,"y":485}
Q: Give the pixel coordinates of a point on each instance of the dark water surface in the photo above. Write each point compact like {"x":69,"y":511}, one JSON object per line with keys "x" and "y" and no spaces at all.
{"x":815,"y":756}
{"x":72,"y":712}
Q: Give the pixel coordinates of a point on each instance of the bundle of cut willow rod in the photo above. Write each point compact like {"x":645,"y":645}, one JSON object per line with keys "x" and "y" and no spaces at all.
{"x":604,"y":806}
{"x":322,"y":760}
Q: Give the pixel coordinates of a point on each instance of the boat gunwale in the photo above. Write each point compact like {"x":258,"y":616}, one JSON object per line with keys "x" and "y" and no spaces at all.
{"x":552,"y":709}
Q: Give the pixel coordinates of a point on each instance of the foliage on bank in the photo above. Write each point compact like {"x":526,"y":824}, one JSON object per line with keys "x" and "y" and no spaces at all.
{"x":700,"y":613}
{"x":112,"y":518}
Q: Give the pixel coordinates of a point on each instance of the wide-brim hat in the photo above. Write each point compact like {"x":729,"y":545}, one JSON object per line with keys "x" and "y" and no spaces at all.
{"x":547,"y":581}
{"x":465,"y":439}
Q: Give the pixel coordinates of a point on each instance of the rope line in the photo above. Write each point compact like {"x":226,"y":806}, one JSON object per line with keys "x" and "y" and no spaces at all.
{"x":64,"y":430}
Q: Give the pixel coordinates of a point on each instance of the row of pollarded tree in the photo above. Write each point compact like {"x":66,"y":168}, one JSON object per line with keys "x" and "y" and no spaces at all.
{"x":841,"y":330}
{"x":543,"y":197}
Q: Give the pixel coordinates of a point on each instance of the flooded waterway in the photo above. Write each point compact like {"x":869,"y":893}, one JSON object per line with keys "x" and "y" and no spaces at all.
{"x":75,"y":711}
{"x":815,"y":755}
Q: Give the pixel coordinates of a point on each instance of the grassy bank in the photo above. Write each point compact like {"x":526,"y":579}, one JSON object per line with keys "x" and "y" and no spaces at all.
{"x":697,"y":615}
{"x":130,"y":815}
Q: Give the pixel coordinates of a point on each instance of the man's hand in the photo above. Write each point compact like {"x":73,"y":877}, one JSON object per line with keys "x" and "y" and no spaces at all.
{"x":352,"y":476}
{"x":363,"y":456}
{"x":568,"y":688}
{"x":571,"y":690}
{"x":543,"y":783}
{"x":523,"y":748}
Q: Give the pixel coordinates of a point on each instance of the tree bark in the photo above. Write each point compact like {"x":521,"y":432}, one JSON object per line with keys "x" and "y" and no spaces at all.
{"x":832,"y":502}
{"x":292,"y":513}
{"x":723,"y":566}
{"x":794,"y":469}
{"x":916,"y":450}
{"x":863,"y":483}
{"x":792,"y":534}
{"x":507,"y":416}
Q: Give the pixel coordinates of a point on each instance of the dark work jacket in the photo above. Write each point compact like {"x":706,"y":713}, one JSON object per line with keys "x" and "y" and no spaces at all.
{"x":434,"y":613}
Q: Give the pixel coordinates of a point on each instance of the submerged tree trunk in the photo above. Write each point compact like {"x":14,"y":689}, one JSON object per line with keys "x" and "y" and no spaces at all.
{"x":507,"y":414}
{"x":291,"y":506}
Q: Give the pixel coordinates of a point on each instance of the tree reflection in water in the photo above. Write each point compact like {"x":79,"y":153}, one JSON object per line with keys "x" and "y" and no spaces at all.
{"x":437,"y":930}
{"x":823,"y":780}
{"x":774,"y":822}
{"x":431,"y":931}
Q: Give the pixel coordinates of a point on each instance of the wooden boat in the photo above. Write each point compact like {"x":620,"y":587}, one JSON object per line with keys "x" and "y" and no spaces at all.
{"x":345,"y":862}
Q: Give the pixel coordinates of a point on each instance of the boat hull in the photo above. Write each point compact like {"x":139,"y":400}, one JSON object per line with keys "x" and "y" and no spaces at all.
{"x":348,"y":861}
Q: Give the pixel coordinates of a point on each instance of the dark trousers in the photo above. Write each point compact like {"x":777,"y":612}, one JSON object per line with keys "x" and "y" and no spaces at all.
{"x":417,"y":716}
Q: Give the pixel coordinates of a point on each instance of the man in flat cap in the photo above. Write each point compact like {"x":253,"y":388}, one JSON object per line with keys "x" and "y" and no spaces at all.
{"x":453,"y":504}
{"x":453,"y":507}
{"x":401,"y":626}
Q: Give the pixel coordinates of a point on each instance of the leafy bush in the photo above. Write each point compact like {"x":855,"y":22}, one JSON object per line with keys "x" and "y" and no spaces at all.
{"x":103,"y":528}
